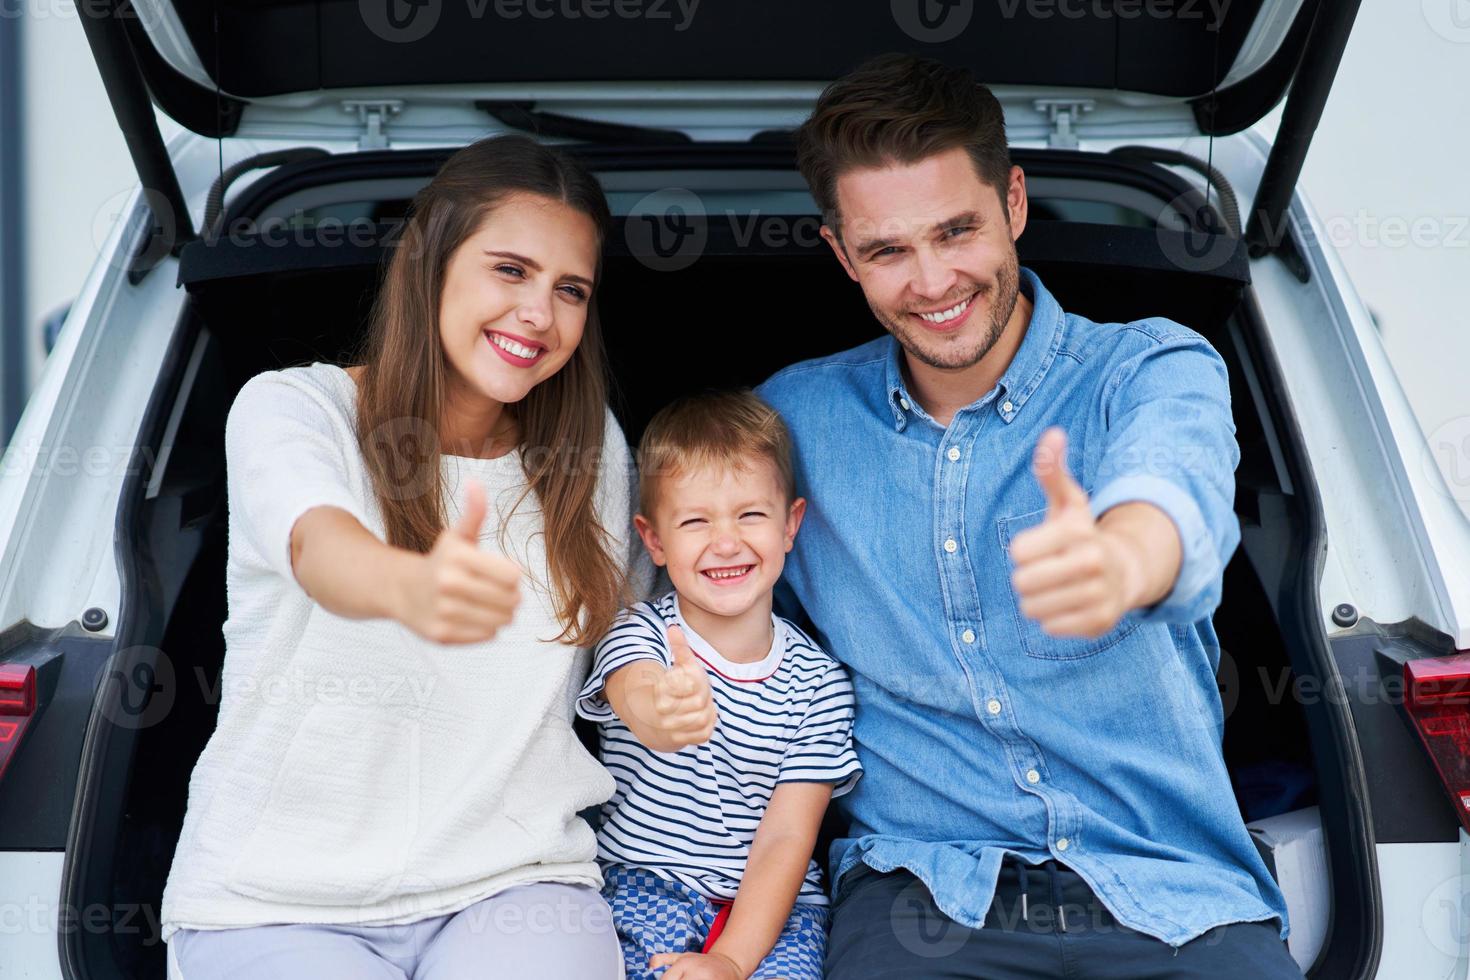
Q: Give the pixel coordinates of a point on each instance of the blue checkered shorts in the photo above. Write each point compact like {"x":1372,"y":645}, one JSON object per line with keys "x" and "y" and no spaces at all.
{"x":654,"y":915}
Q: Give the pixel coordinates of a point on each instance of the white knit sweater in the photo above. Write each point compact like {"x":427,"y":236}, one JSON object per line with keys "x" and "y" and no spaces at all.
{"x":360,"y":774}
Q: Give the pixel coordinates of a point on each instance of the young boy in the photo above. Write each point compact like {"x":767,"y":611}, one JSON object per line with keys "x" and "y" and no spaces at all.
{"x":726,"y":728}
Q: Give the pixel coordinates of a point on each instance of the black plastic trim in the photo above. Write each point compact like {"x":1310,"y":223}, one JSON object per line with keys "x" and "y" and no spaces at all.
{"x":108,"y":746}
{"x":205,"y":111}
{"x":1242,"y":105}
{"x":1399,"y":769}
{"x":214,"y":204}
{"x":1103,"y":246}
{"x":265,"y":252}
{"x":1354,"y":941}
{"x":40,"y":785}
{"x":615,"y":158}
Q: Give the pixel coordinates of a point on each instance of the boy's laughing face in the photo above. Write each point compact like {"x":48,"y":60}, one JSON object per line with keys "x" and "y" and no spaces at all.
{"x":723,"y":533}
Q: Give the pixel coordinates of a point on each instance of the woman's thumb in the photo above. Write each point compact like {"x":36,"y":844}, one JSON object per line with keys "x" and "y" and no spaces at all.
{"x":472,"y":515}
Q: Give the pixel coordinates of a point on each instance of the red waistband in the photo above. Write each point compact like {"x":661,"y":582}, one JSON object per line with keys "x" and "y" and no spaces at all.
{"x":718,"y":926}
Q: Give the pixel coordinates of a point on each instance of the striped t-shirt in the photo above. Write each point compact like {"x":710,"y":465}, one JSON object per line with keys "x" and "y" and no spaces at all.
{"x":691,"y":815}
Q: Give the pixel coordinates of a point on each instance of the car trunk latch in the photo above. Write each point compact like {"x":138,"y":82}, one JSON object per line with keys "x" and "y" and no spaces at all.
{"x":1063,"y":115}
{"x":373,"y":115}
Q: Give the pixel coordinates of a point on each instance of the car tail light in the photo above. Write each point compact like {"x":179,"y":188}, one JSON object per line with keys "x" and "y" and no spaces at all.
{"x":17,"y":707}
{"x":1437,"y":696}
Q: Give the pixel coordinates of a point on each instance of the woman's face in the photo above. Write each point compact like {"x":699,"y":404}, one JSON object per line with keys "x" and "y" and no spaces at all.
{"x":515,"y":296}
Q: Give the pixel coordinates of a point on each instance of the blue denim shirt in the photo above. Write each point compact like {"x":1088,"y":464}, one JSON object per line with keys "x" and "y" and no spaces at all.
{"x":979,"y":733}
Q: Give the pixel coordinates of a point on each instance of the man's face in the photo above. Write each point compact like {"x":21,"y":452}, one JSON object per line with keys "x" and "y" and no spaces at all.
{"x":935,"y":253}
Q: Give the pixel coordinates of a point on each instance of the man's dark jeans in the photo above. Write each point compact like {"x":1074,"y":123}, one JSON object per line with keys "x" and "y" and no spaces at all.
{"x":1044,"y":922}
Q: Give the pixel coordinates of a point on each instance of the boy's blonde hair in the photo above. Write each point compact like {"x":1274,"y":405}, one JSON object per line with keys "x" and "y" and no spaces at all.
{"x":722,"y":428}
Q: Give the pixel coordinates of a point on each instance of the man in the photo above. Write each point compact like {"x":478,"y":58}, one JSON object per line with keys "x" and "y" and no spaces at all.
{"x":1017,"y":527}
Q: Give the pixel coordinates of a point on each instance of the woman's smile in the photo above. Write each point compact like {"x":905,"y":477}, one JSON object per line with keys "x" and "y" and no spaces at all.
{"x":515,"y":349}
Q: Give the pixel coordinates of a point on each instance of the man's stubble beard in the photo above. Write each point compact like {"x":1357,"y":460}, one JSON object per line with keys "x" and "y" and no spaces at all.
{"x":1007,"y":289}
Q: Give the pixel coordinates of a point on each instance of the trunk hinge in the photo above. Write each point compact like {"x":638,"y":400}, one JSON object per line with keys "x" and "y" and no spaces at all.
{"x":1063,"y":115}
{"x":373,"y":114}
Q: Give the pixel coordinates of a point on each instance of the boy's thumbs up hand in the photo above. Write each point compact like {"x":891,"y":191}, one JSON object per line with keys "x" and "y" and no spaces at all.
{"x":687,"y":676}
{"x":683,"y":704}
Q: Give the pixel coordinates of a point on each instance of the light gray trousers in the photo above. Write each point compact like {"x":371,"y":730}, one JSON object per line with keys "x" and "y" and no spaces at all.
{"x":542,"y":930}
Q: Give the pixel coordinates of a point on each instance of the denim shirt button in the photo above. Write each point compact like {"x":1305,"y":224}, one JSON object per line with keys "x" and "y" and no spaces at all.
{"x":968,"y":636}
{"x":904,"y":402}
{"x":1006,"y":408}
{"x":953,"y":454}
{"x":993,"y":706}
{"x":1062,"y":843}
{"x":1032,"y":776}
{"x":951,"y":546}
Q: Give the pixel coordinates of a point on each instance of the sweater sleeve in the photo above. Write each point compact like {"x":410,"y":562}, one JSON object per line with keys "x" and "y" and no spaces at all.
{"x":283,"y":455}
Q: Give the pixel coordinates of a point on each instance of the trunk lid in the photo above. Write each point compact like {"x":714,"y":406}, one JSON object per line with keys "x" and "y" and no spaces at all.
{"x":656,"y":71}
{"x":305,"y":67}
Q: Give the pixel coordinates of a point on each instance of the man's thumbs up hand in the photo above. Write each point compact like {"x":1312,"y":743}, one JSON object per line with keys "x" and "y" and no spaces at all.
{"x":1049,"y":463}
{"x":1071,"y":576}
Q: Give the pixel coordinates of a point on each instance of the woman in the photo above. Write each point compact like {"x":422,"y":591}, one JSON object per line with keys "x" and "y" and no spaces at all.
{"x":394,"y":784}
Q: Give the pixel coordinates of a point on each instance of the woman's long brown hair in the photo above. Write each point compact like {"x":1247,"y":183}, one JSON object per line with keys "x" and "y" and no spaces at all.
{"x":402,"y":390}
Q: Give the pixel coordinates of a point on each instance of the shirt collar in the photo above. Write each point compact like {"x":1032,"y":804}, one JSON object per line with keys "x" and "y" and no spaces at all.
{"x":1021,"y":378}
{"x":757,"y":670}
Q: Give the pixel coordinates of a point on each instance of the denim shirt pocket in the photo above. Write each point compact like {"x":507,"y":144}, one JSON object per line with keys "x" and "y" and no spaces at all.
{"x":1036,"y":642}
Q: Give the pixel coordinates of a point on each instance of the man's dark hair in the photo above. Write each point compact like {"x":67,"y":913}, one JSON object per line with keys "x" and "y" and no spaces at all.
{"x":900,"y":108}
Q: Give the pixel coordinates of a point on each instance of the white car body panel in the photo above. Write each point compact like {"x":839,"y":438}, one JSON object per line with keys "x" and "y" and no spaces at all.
{"x":1426,"y":910}
{"x":1398,"y":546}
{"x":30,"y":890}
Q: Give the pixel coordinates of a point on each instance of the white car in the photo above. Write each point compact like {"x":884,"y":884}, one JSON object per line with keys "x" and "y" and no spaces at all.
{"x":255,"y":239}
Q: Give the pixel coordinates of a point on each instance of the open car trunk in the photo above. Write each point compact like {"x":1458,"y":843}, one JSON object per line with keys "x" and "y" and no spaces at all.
{"x":1095,"y":241}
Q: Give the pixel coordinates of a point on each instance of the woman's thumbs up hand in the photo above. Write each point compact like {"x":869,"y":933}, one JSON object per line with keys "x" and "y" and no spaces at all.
{"x":459,"y":593}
